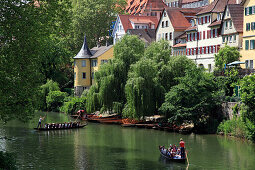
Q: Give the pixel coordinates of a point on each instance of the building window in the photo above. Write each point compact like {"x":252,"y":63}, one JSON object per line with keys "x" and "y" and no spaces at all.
{"x":252,"y":44}
{"x":162,"y":24}
{"x":165,"y":14}
{"x":83,"y":63}
{"x":166,"y":23}
{"x":223,"y":40}
{"x":84,"y":75}
{"x":166,"y":36}
{"x":170,"y":36}
{"x":230,"y":24}
{"x":226,"y":24}
{"x":230,"y":38}
{"x":94,"y":63}
{"x":249,"y":64}
{"x":248,"y":26}
{"x":234,"y":38}
{"x":246,"y":44}
{"x":104,"y":61}
{"x":74,"y":75}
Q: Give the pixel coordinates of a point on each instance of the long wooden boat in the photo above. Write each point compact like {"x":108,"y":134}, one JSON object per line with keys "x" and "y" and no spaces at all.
{"x":175,"y":158}
{"x":47,"y":129}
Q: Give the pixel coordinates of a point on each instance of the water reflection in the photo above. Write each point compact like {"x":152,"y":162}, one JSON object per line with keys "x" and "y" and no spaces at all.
{"x":98,"y":146}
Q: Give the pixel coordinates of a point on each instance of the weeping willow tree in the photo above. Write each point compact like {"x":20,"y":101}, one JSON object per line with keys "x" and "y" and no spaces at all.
{"x":143,"y":92}
{"x":112,"y":76}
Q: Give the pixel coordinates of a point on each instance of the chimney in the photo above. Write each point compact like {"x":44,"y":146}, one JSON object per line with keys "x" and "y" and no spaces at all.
{"x":237,"y":1}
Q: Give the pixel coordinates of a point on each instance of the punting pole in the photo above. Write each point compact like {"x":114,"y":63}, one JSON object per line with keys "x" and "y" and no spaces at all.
{"x":187,"y":160}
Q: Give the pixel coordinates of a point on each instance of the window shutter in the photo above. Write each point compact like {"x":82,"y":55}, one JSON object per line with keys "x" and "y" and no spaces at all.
{"x":246,"y":44}
{"x":209,"y":18}
{"x":197,"y":50}
{"x":212,"y":49}
{"x":205,"y":19}
{"x":245,"y":11}
{"x":250,"y":10}
{"x":204,"y":34}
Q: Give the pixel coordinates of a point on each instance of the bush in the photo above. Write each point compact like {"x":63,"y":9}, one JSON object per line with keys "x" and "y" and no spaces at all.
{"x":54,"y":100}
{"x":73,"y":105}
{"x":7,"y":161}
{"x":235,"y":127}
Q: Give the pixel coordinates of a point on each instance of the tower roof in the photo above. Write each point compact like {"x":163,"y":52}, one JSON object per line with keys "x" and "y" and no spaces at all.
{"x":85,"y":51}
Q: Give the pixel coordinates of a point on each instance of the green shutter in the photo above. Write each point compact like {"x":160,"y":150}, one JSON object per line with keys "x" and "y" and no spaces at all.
{"x":246,"y":44}
{"x":245,"y":11}
{"x":250,"y":10}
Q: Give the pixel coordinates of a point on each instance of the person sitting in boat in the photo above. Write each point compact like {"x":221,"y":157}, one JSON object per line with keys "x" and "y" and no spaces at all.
{"x":65,"y":125}
{"x":182,"y":146}
{"x":46,"y":126}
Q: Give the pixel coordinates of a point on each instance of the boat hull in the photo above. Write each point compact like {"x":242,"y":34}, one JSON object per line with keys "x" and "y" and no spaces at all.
{"x":43,"y":129}
{"x":181,"y":160}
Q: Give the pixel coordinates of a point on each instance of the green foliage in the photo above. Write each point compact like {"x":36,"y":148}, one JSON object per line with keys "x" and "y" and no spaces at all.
{"x":193,"y":99}
{"x":110,"y":80}
{"x":55,"y":100}
{"x":93,"y":18}
{"x":235,"y":127}
{"x":30,"y":36}
{"x":142,"y":89}
{"x":7,"y":161}
{"x":248,"y":96}
{"x":73,"y":104}
{"x":44,"y":91}
{"x":226,"y":55}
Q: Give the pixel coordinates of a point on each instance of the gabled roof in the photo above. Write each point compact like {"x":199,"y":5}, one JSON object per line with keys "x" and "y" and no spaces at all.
{"x":84,"y":52}
{"x":98,"y":51}
{"x":216,"y":6}
{"x":126,"y":20}
{"x":138,"y":6}
{"x":177,"y":19}
{"x":215,"y":23}
{"x":147,"y":34}
{"x":236,"y":12}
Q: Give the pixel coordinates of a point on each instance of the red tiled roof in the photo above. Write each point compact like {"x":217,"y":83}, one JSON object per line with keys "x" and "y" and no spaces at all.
{"x":179,"y":45}
{"x":216,"y":6}
{"x":177,"y":18}
{"x":138,"y":6}
{"x":191,"y":28}
{"x":215,"y":23}
{"x":126,"y":20}
{"x":236,"y":13}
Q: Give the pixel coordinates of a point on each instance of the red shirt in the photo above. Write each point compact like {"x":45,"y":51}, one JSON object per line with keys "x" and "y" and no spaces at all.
{"x":182,"y":144}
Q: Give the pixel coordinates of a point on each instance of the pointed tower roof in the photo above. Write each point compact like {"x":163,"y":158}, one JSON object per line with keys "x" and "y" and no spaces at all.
{"x":85,"y":51}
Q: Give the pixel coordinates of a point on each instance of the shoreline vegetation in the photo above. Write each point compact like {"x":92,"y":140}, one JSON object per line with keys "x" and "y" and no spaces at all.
{"x":142,"y":82}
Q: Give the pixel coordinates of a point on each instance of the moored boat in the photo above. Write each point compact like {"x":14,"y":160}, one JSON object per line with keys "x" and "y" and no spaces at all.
{"x":62,"y":128}
{"x":177,"y":158}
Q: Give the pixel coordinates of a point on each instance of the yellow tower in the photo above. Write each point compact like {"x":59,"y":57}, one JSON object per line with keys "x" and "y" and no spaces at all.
{"x":87,"y":62}
{"x":82,"y":74}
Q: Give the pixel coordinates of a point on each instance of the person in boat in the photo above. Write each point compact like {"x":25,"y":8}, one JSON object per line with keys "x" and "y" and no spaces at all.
{"x":46,"y":126}
{"x":40,"y":122}
{"x":182,"y":146}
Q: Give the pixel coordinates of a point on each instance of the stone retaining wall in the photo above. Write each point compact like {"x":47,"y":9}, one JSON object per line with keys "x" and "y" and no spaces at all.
{"x":227,"y":109}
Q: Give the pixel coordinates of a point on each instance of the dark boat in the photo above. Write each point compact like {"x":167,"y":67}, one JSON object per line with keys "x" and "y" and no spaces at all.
{"x":47,"y":129}
{"x":175,"y":158}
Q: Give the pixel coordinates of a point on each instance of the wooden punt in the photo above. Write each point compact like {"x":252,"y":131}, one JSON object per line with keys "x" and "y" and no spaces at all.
{"x":46,"y":129}
{"x":175,"y":159}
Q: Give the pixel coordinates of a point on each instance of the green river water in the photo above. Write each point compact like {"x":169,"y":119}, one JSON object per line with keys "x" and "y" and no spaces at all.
{"x":99,"y":146}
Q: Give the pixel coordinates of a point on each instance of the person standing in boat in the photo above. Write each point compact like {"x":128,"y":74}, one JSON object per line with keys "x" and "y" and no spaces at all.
{"x":40,"y":121}
{"x":182,"y":146}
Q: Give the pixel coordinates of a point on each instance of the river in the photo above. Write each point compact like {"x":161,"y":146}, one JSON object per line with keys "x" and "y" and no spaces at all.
{"x":99,"y":146}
